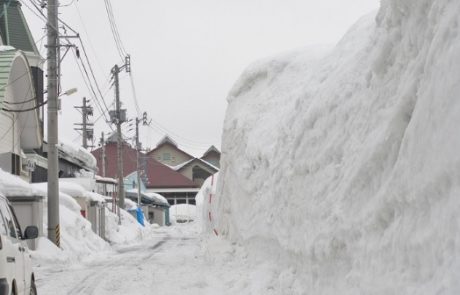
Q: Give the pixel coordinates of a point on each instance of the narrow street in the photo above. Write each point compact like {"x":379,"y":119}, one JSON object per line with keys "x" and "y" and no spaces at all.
{"x":170,"y":261}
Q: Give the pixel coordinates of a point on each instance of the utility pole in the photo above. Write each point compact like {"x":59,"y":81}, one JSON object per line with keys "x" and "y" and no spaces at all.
{"x":103,"y":154}
{"x":138,"y":150}
{"x":52,"y":87}
{"x":86,"y":128}
{"x":119,"y":121}
{"x":119,"y":117}
{"x":85,"y":119}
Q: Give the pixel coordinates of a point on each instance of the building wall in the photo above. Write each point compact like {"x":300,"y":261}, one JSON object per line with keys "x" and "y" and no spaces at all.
{"x":5,"y":162}
{"x":169,"y":155}
{"x":213,"y":158}
{"x":156,"y":215}
{"x":8,"y":135}
{"x":188,"y":172}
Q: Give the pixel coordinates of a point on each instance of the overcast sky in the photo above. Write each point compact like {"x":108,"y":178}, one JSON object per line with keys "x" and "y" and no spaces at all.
{"x":186,"y":55}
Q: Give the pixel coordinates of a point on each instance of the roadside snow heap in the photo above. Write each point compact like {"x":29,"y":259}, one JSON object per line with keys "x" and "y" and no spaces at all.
{"x":348,"y":165}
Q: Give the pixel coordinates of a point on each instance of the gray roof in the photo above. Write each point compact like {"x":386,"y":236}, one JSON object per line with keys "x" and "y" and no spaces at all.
{"x":211,"y":149}
{"x":13,"y":27}
{"x":167,"y":139}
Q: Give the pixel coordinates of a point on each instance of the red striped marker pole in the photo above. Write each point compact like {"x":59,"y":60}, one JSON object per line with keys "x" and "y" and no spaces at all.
{"x":210,"y":201}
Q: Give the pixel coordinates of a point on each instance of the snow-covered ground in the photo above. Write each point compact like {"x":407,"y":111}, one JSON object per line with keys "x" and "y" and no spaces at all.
{"x":169,"y":261}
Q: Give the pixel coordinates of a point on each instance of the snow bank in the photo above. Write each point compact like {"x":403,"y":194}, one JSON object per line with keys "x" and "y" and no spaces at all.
{"x":95,"y":197}
{"x":349,"y":164}
{"x":203,"y":206}
{"x":128,"y":231}
{"x":78,"y":241}
{"x":72,"y":189}
{"x":77,"y":238}
{"x":182,"y":212}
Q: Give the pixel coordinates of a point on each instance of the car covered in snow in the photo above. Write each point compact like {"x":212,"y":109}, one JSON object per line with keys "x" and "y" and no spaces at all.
{"x":16,"y":275}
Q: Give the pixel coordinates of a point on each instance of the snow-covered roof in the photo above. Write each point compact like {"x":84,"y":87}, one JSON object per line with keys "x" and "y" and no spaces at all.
{"x":113,"y":138}
{"x":151,"y":198}
{"x":13,"y":186}
{"x":206,"y":163}
{"x":79,"y":154}
{"x":106,"y":179}
{"x":167,"y":139}
{"x":177,"y":167}
{"x":211,"y":149}
{"x":157,"y":197}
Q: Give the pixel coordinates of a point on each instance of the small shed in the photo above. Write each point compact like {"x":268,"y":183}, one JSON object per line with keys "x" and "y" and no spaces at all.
{"x":155,"y":206}
{"x":27,"y":202}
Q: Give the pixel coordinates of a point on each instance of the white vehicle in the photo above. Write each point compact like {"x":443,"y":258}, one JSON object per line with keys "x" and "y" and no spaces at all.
{"x":16,"y":276}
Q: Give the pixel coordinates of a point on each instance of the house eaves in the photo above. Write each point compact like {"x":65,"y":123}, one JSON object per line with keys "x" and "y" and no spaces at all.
{"x":207,"y":164}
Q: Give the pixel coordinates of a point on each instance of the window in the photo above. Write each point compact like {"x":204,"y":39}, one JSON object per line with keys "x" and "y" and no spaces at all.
{"x":8,"y":220}
{"x":16,"y":223}
{"x":166,"y":156}
{"x":3,"y":228}
{"x":15,"y":164}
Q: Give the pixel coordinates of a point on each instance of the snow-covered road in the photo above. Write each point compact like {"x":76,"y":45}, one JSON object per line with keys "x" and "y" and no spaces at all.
{"x":168,"y":261}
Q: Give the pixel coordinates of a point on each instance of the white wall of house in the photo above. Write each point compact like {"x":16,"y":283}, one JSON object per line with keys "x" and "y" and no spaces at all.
{"x":18,"y":131}
{"x":9,"y":136}
{"x":188,"y":172}
{"x":169,"y":155}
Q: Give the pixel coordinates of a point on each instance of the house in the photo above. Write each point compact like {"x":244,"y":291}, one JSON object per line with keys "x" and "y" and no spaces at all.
{"x":74,"y":161}
{"x":168,"y":153}
{"x":21,"y":92}
{"x":157,"y":177}
{"x":195,"y":169}
{"x":212,"y":156}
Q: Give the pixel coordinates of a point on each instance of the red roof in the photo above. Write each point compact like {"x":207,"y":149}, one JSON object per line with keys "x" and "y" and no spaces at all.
{"x":158,"y":174}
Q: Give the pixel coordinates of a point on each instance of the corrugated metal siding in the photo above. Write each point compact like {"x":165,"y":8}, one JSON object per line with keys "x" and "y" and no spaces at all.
{"x":6,"y":60}
{"x":15,"y":31}
{"x":3,"y":8}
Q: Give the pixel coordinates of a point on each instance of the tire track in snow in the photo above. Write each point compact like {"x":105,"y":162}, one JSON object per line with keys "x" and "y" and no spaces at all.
{"x":103,"y":271}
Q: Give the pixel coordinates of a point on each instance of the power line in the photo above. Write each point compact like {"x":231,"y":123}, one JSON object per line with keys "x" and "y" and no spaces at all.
{"x":133,"y":89}
{"x":89,"y":86}
{"x":82,"y":22}
{"x":83,"y":70}
{"x":190,"y":143}
{"x":114,"y":29}
{"x":92,"y":73}
{"x":17,"y":117}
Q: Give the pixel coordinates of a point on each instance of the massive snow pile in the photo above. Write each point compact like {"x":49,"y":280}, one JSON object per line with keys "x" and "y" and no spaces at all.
{"x":349,"y":164}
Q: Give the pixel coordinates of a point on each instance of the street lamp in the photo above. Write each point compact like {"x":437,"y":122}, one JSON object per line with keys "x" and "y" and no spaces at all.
{"x":67,"y":93}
